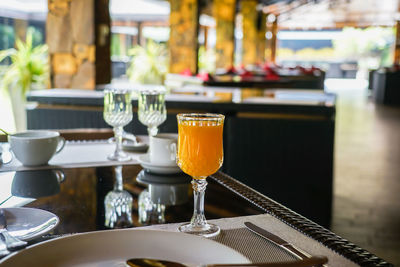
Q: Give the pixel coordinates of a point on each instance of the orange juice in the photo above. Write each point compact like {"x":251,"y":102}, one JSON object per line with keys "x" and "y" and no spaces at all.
{"x":200,"y":151}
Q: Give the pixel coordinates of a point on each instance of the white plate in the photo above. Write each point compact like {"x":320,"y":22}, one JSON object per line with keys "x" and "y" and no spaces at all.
{"x":114,"y":247}
{"x":155,"y":168}
{"x":28,"y":223}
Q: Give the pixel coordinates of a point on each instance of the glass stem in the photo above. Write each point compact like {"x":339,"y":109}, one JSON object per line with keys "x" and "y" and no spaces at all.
{"x":118,"y":139}
{"x":118,"y":186}
{"x":199,"y":189}
{"x":152,"y":130}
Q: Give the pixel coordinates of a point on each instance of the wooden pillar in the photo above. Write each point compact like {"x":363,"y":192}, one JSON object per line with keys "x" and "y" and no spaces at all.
{"x":102,"y":24}
{"x":140,"y":40}
{"x":224,"y":14}
{"x":261,"y":40}
{"x":184,"y":29}
{"x":249,"y":12}
{"x":122,"y":44}
{"x":274,"y":39}
{"x":72,"y":35}
{"x":396,"y":59}
{"x":205,"y":38}
{"x":271,"y":36}
{"x":20,"y":28}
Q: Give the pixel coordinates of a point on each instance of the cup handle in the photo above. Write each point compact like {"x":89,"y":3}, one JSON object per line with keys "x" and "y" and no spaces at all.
{"x":6,"y":156}
{"x":60,"y":147}
{"x":60,"y":176}
{"x":173,"y":150}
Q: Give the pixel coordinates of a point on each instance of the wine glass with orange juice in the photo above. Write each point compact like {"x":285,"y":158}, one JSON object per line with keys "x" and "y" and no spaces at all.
{"x":200,"y":154}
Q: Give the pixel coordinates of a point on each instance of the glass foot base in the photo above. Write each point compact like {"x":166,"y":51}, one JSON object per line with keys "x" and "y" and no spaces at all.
{"x":207,"y":230}
{"x":119,"y":157}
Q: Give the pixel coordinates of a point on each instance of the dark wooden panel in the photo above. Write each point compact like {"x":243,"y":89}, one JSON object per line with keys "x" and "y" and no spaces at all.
{"x":48,"y":118}
{"x":385,"y":87}
{"x":289,"y":160}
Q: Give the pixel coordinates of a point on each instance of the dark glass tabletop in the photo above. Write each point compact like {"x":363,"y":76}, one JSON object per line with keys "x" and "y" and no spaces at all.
{"x":79,"y":197}
{"x":93,"y":198}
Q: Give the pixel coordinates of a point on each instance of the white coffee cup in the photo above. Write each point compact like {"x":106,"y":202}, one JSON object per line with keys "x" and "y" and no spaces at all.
{"x":34,"y":148}
{"x":163,"y":149}
{"x":37,"y":183}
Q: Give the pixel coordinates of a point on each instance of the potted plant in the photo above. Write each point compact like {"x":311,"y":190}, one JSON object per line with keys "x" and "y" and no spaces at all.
{"x":29,"y":69}
{"x":149,"y":64}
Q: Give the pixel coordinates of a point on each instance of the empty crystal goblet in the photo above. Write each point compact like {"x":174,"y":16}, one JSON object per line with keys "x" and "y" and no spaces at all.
{"x":151,"y":109}
{"x":118,"y":113}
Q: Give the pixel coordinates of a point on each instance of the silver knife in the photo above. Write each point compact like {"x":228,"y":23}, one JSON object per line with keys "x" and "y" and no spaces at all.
{"x":12,"y":243}
{"x":298,"y":253}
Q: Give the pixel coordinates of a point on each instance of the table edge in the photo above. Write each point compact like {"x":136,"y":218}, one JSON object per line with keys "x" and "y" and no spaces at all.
{"x":309,"y":228}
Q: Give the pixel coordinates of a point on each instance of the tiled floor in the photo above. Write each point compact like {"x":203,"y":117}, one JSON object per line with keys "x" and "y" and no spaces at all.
{"x":367,"y":174}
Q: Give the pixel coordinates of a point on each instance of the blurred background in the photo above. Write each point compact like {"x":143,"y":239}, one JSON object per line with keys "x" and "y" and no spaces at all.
{"x":347,"y":49}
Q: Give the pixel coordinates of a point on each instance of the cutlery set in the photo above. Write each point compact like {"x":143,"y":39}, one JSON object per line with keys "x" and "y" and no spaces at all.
{"x":8,"y":243}
{"x":277,"y":241}
{"x":307,"y":259}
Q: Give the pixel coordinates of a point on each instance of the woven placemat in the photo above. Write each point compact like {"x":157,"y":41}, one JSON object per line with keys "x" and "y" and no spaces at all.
{"x":256,"y":248}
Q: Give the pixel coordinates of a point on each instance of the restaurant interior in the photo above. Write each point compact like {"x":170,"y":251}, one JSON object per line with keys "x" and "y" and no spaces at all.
{"x":117,"y":115}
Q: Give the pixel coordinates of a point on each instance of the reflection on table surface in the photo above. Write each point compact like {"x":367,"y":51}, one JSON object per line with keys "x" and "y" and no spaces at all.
{"x":79,"y":197}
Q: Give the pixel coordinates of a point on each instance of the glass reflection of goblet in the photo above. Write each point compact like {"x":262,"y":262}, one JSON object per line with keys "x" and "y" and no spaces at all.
{"x":117,"y":113}
{"x":200,"y":154}
{"x":151,"y":109}
{"x":148,"y":211}
{"x":118,"y":204}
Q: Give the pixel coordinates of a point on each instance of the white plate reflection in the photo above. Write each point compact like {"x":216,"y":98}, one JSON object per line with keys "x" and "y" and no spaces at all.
{"x":29,"y":223}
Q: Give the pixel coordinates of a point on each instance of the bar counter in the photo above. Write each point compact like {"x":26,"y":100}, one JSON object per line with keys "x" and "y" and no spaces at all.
{"x":275,"y":141}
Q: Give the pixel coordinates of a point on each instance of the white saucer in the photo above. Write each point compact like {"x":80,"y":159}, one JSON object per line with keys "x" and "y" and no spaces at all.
{"x":157,"y":168}
{"x":135,"y":147}
{"x":29,"y":223}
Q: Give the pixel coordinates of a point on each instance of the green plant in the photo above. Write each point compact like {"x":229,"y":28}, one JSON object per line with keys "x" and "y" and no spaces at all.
{"x":29,"y":65}
{"x":361,"y":44}
{"x":149,"y":64}
{"x":116,"y":50}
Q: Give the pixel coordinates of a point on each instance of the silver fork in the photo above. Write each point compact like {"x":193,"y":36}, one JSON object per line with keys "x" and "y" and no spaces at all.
{"x":12,"y":243}
{"x":3,"y":249}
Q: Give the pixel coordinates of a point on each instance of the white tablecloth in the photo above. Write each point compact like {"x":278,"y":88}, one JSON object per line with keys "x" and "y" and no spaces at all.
{"x":77,"y":154}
